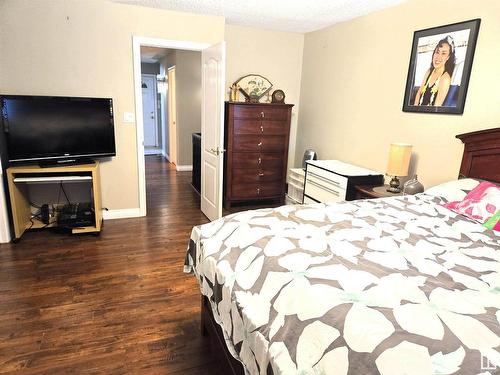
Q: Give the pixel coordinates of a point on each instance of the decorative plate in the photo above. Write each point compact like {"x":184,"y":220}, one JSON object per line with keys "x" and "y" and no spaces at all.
{"x":254,"y":86}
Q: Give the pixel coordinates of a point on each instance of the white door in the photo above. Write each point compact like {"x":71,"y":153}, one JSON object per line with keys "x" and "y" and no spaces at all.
{"x":212,"y":129}
{"x":172,"y":116}
{"x":4,"y":218}
{"x":149,"y":113}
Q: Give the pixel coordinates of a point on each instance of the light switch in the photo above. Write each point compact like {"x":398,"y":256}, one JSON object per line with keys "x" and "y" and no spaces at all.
{"x":128,"y":117}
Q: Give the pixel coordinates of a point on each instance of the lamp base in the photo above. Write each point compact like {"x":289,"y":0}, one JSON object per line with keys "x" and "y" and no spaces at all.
{"x":394,"y":185}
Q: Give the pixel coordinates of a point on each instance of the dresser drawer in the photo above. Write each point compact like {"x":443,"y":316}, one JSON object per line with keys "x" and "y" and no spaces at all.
{"x":257,"y":159}
{"x":256,"y":190}
{"x":270,"y":143}
{"x":265,"y":174}
{"x":330,"y":179}
{"x":247,"y":126}
{"x":322,"y":193}
{"x":260,"y":112}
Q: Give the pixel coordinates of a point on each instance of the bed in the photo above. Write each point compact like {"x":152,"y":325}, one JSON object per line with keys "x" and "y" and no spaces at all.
{"x":396,"y":285}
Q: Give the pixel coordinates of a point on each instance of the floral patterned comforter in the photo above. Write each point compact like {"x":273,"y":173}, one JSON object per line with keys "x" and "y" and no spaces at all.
{"x":392,"y":286}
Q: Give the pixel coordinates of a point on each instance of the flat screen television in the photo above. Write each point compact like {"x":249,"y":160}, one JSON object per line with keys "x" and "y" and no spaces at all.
{"x":54,"y":129}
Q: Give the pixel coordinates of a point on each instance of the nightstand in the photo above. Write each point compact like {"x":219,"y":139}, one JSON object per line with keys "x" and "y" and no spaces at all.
{"x":329,"y":181}
{"x":370,"y":192}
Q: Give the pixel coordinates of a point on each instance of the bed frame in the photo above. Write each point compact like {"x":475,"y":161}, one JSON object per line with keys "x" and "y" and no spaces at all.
{"x":209,"y":327}
{"x":481,"y":159}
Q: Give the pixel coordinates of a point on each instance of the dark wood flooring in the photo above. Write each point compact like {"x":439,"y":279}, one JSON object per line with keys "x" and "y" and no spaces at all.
{"x":113,"y":304}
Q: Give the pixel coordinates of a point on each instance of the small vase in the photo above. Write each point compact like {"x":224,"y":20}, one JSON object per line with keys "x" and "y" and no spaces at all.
{"x":412,"y":186}
{"x":233,"y":93}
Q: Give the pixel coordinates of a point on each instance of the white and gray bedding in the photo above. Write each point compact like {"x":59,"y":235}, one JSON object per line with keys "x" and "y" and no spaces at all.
{"x":391,"y":286}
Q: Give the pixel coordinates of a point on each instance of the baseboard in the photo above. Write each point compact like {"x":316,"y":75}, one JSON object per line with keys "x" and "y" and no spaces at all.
{"x":152,"y":151}
{"x":184,"y":168}
{"x":121,"y":214}
{"x":165,"y":155}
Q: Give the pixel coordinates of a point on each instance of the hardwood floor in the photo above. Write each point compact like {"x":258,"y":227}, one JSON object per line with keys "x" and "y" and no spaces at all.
{"x":113,"y":304}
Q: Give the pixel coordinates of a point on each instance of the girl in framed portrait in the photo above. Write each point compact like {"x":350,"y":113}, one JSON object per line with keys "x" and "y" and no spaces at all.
{"x":437,"y":79}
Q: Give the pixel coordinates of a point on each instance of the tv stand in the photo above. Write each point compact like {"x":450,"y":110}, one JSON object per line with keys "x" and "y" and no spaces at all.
{"x":63,"y":162}
{"x":19,"y":179}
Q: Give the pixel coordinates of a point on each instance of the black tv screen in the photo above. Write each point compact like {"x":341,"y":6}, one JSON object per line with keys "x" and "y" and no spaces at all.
{"x":48,"y":128}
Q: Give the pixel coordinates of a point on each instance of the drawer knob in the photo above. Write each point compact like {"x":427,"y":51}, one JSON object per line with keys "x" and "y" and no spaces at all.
{"x":261,"y":174}
{"x":262,"y":114}
{"x":258,"y":191}
{"x":261,"y":129}
{"x":259,"y":144}
{"x":260,"y":161}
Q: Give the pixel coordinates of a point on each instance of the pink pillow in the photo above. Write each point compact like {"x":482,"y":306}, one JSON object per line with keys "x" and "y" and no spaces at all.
{"x":497,"y":227}
{"x":479,"y":204}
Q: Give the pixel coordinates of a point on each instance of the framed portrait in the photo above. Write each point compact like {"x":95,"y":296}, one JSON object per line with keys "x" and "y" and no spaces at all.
{"x":440,"y":67}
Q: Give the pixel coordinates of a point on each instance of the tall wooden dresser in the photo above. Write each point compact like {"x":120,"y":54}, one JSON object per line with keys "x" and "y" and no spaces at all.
{"x":256,"y":142}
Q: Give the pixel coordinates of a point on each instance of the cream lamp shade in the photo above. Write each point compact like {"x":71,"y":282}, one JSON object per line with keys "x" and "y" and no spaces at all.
{"x":399,"y":159}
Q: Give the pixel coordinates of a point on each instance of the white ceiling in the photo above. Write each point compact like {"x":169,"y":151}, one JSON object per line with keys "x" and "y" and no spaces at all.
{"x":153,"y":55}
{"x":286,"y":15}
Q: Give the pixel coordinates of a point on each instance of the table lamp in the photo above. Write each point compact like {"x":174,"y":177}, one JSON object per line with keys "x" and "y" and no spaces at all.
{"x":399,"y":161}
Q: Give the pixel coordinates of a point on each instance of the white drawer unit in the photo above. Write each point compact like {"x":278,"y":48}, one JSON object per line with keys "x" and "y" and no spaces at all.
{"x":335,"y":181}
{"x":296,"y":179}
{"x":308,"y":200}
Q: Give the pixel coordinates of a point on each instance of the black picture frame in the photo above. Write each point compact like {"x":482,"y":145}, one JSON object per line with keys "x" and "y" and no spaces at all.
{"x":459,"y":42}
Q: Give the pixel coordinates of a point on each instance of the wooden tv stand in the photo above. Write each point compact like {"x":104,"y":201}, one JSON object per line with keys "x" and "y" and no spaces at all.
{"x":19,"y":178}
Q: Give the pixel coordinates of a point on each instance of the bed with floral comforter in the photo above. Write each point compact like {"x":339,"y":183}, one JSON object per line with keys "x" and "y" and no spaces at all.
{"x":392,"y":286}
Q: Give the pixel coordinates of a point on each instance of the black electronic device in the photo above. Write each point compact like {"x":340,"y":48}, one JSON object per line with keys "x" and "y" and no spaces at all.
{"x":45,"y":214}
{"x":57,"y":129}
{"x":76,"y":215}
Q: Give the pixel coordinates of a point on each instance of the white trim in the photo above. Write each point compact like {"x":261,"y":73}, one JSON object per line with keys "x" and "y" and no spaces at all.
{"x":153,"y":151}
{"x":121,"y":214}
{"x":4,"y":217}
{"x":184,"y":168}
{"x":155,"y":104}
{"x":163,"y":109}
{"x":137,"y":42}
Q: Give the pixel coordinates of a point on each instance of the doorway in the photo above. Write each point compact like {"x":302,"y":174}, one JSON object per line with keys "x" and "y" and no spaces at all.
{"x":171,"y":107}
{"x":172,"y":115}
{"x":150,"y":118}
{"x":211,"y":69}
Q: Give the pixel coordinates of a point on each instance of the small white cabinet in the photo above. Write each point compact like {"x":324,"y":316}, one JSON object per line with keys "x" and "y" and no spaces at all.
{"x":335,"y":181}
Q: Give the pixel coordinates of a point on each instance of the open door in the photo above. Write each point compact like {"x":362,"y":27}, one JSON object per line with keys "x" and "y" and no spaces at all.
{"x":172,"y":116}
{"x":212,"y":129}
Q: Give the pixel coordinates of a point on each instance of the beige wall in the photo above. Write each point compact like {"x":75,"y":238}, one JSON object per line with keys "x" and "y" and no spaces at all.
{"x":273,"y":54}
{"x":188,"y":95}
{"x":84,"y":48}
{"x":353,"y":83}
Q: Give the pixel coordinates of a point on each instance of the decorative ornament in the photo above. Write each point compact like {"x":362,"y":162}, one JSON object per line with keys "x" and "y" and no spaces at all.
{"x":253,"y":87}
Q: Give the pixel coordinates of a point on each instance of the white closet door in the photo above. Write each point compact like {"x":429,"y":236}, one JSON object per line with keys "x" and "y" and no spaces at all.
{"x":149,"y":112}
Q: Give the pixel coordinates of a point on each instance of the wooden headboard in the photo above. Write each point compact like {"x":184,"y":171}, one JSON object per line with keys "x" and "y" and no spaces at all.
{"x":481,"y":155}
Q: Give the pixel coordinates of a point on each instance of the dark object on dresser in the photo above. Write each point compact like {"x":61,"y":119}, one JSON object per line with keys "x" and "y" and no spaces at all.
{"x":278,"y":96}
{"x":256,"y":139}
{"x":196,"y":177}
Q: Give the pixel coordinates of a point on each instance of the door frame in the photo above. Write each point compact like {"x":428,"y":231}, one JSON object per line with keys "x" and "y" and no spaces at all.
{"x":137,"y":42}
{"x":155,"y":105}
{"x":172,"y":104}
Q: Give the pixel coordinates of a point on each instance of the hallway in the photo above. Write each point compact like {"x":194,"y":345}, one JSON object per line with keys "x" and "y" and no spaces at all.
{"x":113,"y":304}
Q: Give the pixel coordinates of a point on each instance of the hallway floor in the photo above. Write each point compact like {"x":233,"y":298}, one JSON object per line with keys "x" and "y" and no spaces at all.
{"x":114,"y":304}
